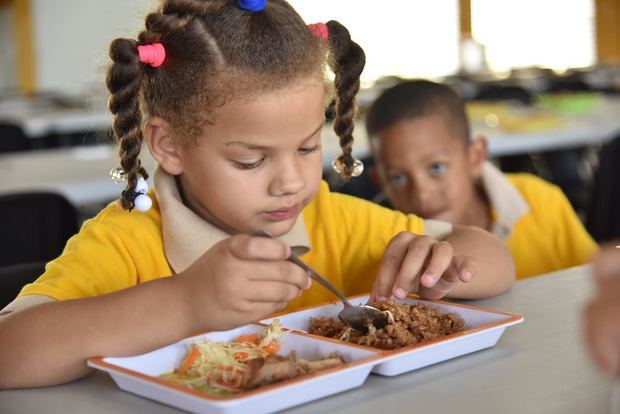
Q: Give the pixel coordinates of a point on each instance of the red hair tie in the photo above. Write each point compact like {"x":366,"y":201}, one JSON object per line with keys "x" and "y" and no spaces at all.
{"x":319,"y":30}
{"x":153,"y":54}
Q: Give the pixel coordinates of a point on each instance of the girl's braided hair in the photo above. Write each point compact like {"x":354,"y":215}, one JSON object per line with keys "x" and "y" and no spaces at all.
{"x":214,"y":49}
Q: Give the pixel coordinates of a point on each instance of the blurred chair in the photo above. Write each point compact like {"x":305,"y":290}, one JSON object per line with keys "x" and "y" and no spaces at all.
{"x":12,"y":139}
{"x":13,"y":278}
{"x":603,"y":217}
{"x":496,"y":92}
{"x":35,"y":226}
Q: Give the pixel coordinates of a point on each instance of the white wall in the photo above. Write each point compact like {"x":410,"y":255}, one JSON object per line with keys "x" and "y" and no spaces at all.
{"x":72,"y":38}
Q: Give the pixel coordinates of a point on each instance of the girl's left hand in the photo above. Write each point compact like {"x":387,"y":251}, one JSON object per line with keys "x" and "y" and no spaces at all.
{"x":422,"y":265}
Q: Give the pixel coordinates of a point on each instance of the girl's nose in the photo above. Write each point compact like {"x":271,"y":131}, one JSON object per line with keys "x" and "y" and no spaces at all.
{"x":288,"y":179}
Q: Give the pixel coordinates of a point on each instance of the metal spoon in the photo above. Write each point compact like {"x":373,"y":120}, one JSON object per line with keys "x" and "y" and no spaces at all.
{"x":356,"y":316}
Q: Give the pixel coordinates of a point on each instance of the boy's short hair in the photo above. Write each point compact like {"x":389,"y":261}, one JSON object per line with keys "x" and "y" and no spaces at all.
{"x":414,"y":99}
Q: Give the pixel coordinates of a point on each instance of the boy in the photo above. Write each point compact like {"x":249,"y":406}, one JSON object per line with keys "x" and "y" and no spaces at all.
{"x":427,"y":164}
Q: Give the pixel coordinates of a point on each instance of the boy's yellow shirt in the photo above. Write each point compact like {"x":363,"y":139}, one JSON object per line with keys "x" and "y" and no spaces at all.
{"x":549,"y":236}
{"x":119,"y":249}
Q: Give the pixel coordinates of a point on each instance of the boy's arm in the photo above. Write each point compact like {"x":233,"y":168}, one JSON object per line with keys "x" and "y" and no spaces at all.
{"x":49,"y":343}
{"x":495,"y":271}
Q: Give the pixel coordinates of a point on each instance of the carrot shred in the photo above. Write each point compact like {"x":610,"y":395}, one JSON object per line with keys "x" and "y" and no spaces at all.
{"x":271,"y":347}
{"x":241,"y":356}
{"x":189,"y":360}
{"x":252,"y":338}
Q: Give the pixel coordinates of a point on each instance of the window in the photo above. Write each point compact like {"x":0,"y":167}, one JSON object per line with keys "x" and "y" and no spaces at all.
{"x":554,"y":34}
{"x":408,"y":38}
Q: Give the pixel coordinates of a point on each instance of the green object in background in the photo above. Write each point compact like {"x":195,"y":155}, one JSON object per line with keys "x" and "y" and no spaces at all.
{"x":575,"y":103}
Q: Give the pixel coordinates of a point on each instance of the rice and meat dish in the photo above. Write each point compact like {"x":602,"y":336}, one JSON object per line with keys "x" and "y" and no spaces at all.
{"x":250,"y":361}
{"x":408,"y":324}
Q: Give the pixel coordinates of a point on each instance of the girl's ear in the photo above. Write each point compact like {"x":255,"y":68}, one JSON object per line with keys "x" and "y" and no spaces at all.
{"x":164,"y":148}
{"x":477,"y":154}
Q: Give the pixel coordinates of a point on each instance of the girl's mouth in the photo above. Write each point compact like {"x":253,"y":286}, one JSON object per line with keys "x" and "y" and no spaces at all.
{"x":283,"y":214}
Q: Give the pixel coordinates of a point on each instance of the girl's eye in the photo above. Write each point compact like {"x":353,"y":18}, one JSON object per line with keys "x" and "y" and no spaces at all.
{"x":437,"y":168}
{"x":248,"y":166}
{"x":397,"y":180}
{"x":310,"y":150}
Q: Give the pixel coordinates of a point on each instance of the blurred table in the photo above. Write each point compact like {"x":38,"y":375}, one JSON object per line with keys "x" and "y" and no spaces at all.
{"x":39,"y":117}
{"x":81,"y":174}
{"x":539,"y":366}
{"x":561,"y":131}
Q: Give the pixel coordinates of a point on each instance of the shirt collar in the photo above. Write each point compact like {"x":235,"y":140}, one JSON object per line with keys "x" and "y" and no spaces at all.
{"x":507,"y":203}
{"x":188,"y":236}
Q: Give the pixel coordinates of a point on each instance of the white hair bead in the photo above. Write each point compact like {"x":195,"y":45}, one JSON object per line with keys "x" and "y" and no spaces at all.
{"x":143,"y":202}
{"x":142,"y":186}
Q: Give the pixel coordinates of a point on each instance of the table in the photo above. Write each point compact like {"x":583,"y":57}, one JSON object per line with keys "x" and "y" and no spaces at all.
{"x":40,"y":117}
{"x":539,"y":366}
{"x":575,"y":130}
{"x":81,"y":174}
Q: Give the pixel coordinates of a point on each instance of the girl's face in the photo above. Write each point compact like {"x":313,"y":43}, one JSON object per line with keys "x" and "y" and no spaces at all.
{"x":427,"y":171}
{"x":260,"y":162}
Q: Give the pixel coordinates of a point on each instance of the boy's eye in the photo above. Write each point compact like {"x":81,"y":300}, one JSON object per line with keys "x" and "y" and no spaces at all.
{"x":437,"y":168}
{"x":397,"y":180}
{"x":310,"y":150}
{"x":248,"y":166}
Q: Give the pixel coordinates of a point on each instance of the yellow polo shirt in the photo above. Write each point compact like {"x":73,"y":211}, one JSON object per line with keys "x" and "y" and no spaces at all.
{"x":537,"y":222}
{"x":118,"y":249}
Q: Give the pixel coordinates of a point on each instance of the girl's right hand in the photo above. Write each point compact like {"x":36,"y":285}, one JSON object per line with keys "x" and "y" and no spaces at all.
{"x":240,"y":280}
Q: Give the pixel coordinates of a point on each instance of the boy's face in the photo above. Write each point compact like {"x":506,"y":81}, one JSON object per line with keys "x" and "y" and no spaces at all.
{"x":426,"y":170}
{"x":259,"y":164}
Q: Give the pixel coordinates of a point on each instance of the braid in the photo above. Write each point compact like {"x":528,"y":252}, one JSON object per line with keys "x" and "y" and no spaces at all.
{"x":214,"y":51}
{"x":347,"y":61}
{"x":190,"y":7}
{"x":123,"y":81}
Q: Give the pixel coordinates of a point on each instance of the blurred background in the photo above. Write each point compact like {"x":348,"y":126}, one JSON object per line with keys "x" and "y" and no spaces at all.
{"x":541,"y":79}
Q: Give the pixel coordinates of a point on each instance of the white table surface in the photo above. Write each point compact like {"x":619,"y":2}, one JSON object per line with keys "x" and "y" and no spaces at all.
{"x":537,"y":367}
{"x":81,"y":174}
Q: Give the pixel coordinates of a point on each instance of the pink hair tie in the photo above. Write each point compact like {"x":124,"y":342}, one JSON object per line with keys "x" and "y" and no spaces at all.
{"x":153,"y":54}
{"x":319,"y":30}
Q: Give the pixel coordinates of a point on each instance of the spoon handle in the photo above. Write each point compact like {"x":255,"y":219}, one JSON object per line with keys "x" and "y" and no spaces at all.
{"x":310,"y":271}
{"x":318,"y":278}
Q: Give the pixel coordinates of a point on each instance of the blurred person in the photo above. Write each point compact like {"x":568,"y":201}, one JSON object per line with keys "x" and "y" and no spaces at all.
{"x":602,"y":314}
{"x":427,"y":164}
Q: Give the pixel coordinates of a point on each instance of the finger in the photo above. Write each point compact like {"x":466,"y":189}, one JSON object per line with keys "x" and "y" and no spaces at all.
{"x":280,"y":271}
{"x":392,"y":259}
{"x":461,"y":269}
{"x":466,"y":266}
{"x":246,"y":247}
{"x":441,"y":258}
{"x":416,"y":257}
{"x":268,"y":291}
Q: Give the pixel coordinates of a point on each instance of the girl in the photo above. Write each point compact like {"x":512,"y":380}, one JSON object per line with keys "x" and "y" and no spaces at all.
{"x":233,"y":96}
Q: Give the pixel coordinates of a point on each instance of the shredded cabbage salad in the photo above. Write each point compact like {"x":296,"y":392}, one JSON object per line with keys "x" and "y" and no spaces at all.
{"x":221,"y":366}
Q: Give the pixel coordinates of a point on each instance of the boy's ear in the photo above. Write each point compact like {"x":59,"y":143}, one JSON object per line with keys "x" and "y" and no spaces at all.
{"x":158,"y":134}
{"x":477,"y":154}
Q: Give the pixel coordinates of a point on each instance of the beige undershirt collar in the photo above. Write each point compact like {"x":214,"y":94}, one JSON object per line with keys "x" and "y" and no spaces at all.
{"x":507,"y":203}
{"x":188,"y":236}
